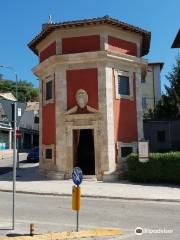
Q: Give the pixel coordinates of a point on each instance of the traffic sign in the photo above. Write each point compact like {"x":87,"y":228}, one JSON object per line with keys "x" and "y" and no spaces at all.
{"x":77,"y":176}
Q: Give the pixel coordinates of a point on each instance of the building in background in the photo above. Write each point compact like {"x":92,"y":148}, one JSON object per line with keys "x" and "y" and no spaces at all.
{"x":28,"y":123}
{"x":5,"y":123}
{"x":29,"y":127}
{"x":90,"y":95}
{"x":163,"y":136}
{"x":176,"y":43}
{"x":151,"y":86}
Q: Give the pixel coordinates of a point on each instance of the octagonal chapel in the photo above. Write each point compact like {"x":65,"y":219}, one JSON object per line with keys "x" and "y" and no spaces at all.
{"x":90,"y":95}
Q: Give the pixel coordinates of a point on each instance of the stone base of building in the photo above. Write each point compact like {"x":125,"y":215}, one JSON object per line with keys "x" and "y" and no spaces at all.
{"x":111,"y":176}
{"x":52,"y":175}
{"x":105,"y":177}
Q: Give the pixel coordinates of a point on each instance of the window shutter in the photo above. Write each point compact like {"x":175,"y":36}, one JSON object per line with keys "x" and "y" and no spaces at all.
{"x":123,"y":85}
{"x":49,"y":90}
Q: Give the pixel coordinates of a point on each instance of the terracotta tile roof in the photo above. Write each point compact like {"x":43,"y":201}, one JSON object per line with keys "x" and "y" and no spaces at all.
{"x":8,"y":96}
{"x":106,"y":20}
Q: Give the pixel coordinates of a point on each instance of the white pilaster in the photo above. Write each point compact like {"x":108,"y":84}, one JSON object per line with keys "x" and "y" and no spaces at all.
{"x":103,"y":111}
{"x":106,"y":109}
{"x":110,"y":120}
{"x":103,"y":41}
{"x":40,"y":124}
{"x":61,"y":107}
{"x":59,"y":46}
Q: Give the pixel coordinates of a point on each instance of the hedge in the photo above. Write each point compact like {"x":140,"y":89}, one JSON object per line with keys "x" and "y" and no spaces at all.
{"x":161,"y":168}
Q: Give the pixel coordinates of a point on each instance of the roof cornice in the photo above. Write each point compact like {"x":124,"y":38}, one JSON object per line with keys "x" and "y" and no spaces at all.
{"x":106,"y":20}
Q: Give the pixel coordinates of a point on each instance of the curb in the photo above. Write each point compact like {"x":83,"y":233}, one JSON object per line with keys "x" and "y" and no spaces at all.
{"x":69,"y":235}
{"x":95,"y":197}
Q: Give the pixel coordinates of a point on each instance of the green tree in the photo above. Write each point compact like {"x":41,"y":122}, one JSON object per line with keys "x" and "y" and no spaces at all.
{"x":169,"y":105}
{"x":26,"y":91}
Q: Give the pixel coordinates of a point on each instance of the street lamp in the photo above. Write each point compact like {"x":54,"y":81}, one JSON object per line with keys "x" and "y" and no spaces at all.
{"x":14,"y":147}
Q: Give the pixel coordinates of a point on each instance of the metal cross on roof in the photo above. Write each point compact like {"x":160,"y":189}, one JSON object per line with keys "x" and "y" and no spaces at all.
{"x":50,"y":20}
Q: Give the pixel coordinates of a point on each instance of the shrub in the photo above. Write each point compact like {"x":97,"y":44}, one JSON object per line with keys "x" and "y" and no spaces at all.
{"x":161,"y":168}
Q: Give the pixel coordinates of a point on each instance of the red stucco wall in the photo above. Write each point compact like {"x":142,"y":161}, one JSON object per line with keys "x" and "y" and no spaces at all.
{"x":82,"y":79}
{"x":81,"y":44}
{"x":48,"y":130}
{"x":49,"y":122}
{"x":125,"y":117}
{"x":47,"y":52}
{"x":122,"y":46}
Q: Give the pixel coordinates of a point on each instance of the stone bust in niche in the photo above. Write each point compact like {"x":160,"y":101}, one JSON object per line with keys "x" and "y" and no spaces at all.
{"x":81,"y":98}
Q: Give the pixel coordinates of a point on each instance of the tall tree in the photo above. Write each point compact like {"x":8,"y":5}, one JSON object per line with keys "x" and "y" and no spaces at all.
{"x":26,"y":91}
{"x":169,"y":105}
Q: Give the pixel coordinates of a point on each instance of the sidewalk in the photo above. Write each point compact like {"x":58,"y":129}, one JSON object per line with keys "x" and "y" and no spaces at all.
{"x":28,"y":181}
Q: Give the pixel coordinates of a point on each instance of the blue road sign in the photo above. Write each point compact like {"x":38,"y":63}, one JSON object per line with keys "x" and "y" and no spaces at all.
{"x":77,"y":176}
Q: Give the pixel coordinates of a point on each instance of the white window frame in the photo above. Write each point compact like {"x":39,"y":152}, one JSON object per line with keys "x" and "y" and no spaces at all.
{"x":48,"y":79}
{"x":128,"y":74}
{"x":134,"y":146}
{"x":44,"y":153}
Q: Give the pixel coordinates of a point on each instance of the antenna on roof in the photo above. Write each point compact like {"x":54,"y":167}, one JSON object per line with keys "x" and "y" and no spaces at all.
{"x":50,"y":20}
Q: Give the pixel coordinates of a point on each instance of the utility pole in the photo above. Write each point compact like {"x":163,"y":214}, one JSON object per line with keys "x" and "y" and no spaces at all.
{"x":14,"y":120}
{"x":14,"y":107}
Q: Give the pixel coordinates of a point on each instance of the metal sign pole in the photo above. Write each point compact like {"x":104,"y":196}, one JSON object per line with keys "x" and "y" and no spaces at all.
{"x":77,"y":177}
{"x":14,"y":167}
{"x":77,"y":223}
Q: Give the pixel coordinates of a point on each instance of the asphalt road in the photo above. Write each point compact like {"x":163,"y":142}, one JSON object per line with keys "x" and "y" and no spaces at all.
{"x":54,"y":214}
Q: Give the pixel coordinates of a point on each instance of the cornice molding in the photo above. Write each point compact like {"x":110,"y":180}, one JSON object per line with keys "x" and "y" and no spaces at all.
{"x":88,"y":57}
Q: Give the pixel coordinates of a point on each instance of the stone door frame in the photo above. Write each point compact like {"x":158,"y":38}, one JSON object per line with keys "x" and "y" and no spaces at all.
{"x":83,"y":121}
